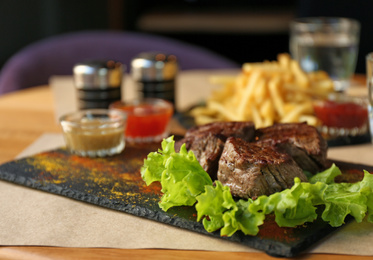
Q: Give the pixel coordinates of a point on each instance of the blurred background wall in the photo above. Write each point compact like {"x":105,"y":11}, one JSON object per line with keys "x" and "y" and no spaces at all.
{"x":242,"y":30}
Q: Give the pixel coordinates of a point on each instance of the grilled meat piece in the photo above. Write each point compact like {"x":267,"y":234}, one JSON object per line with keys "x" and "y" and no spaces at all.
{"x":207,"y":141}
{"x":207,"y":149}
{"x":301,"y":141}
{"x":244,"y":130}
{"x":251,"y":170}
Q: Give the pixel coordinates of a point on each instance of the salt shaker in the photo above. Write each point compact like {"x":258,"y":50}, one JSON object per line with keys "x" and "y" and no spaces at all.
{"x":154,"y":74}
{"x":98,"y":83}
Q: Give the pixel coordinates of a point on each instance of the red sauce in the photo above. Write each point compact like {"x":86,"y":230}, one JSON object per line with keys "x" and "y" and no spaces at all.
{"x":342,"y":115}
{"x":146,"y":120}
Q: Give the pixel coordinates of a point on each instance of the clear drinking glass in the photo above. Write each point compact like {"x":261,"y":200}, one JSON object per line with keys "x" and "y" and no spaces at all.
{"x":326,"y":43}
{"x":369,"y":71}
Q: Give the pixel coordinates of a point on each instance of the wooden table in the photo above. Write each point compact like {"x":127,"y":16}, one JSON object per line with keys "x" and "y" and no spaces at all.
{"x":27,"y":114}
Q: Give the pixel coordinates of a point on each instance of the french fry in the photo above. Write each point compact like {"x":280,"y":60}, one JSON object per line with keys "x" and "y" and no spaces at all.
{"x":202,"y":119}
{"x":222,"y":79}
{"x":248,"y":94}
{"x":284,"y":60}
{"x":260,"y":91}
{"x":267,"y":111}
{"x":256,"y":117}
{"x":276,"y":97}
{"x":218,"y":107}
{"x":300,"y":76}
{"x":202,"y":111}
{"x":310,"y":119}
{"x":318,"y":75}
{"x":294,"y":114}
{"x":266,"y":93}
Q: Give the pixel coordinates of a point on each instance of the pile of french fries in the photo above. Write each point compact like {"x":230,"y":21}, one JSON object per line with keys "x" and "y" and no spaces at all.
{"x":266,"y":93}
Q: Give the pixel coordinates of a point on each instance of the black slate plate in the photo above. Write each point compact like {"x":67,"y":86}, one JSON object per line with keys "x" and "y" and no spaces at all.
{"x":115,"y":183}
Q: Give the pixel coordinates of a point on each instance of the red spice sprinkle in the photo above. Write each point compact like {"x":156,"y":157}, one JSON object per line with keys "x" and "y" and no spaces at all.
{"x":271,"y":230}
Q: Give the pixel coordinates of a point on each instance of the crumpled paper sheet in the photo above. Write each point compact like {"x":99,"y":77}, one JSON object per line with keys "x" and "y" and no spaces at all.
{"x":31,"y":217}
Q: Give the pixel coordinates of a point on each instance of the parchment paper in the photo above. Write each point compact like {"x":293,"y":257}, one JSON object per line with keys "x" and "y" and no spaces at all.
{"x":31,"y":217}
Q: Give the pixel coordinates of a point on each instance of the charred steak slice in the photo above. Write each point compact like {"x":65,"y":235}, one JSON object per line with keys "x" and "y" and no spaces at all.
{"x":207,"y":141}
{"x":303,"y":142}
{"x":251,"y":169}
{"x":244,"y":130}
{"x":207,"y":149}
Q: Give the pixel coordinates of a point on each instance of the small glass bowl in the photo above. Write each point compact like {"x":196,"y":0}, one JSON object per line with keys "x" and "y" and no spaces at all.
{"x":147,"y":119}
{"x":342,"y":115}
{"x":94,"y":132}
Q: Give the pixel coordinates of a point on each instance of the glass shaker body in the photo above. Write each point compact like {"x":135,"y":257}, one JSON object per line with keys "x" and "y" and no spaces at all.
{"x":155,"y":75}
{"x":98,"y":83}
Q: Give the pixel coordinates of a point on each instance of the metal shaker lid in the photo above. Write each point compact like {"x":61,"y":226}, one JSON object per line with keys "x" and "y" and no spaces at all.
{"x":154,"y":66}
{"x":98,"y":74}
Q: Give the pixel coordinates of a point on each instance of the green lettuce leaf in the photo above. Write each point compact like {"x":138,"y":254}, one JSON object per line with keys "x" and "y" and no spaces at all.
{"x":220,"y":211}
{"x":293,"y":206}
{"x":366,"y":186}
{"x":185,"y":183}
{"x":242,"y":219}
{"x":326,"y":176}
{"x":180,"y":174}
{"x":342,"y":199}
{"x":212,"y":204}
{"x":154,"y":164}
{"x":339,"y":204}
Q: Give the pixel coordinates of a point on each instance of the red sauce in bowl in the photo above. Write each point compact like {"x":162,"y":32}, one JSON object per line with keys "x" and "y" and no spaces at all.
{"x":147,"y":120}
{"x":341,"y":114}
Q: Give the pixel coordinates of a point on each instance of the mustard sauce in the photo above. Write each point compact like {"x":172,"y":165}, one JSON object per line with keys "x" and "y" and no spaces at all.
{"x":94,"y":136}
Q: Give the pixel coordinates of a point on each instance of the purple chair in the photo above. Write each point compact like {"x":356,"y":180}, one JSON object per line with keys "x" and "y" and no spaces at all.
{"x":57,"y":55}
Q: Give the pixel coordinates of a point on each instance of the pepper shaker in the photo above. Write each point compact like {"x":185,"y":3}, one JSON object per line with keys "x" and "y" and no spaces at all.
{"x":98,"y":83}
{"x":154,"y":74}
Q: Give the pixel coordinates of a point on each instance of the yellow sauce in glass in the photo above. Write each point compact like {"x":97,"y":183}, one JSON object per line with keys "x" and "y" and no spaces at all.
{"x":94,"y":136}
{"x":94,"y":139}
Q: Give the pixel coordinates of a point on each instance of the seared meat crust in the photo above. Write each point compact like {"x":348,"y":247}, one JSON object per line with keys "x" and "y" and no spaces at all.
{"x":256,"y":162}
{"x":244,"y":130}
{"x":303,"y":142}
{"x":251,"y":170}
{"x":207,"y":141}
